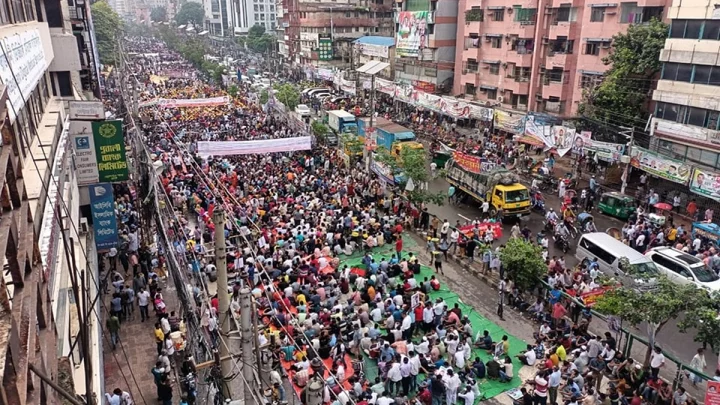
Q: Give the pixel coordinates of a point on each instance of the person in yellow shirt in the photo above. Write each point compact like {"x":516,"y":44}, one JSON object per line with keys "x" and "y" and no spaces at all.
{"x":300,"y":299}
{"x":561,"y":353}
{"x":371,"y":293}
{"x":159,"y":337}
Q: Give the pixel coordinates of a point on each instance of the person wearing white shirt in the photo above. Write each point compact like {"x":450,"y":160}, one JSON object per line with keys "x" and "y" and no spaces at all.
{"x":452,"y":383}
{"x":529,"y":357}
{"x":460,"y":360}
{"x":394,"y":378}
{"x":376,"y":314}
{"x":406,"y":327}
{"x":468,"y":396}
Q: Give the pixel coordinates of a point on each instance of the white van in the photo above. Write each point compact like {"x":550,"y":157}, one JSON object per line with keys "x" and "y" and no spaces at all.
{"x":608,"y":251}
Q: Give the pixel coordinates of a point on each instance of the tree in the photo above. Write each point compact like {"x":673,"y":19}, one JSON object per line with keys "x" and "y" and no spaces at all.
{"x":158,"y":14}
{"x":703,"y":322}
{"x":625,"y":88}
{"x":412,"y":163}
{"x":257,"y":40}
{"x":107,"y":25}
{"x":233,"y":91}
{"x":264,"y":96}
{"x":523,"y":263}
{"x":288,"y":95}
{"x":190,"y":12}
{"x":653,"y":306}
{"x":319,"y":129}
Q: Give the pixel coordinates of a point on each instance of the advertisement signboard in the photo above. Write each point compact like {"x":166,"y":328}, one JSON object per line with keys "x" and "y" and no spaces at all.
{"x":325,"y":51}
{"x":660,"y":166}
{"x":22,"y":64}
{"x":110,"y":149}
{"x":373,"y":50}
{"x":472,"y":164}
{"x":712,"y":395}
{"x":411,"y":36}
{"x":705,"y":183}
{"x":102,"y":208}
{"x":86,"y":165}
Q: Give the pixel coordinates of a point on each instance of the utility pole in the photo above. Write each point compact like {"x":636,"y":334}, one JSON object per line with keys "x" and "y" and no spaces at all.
{"x":223,"y":297}
{"x":246,"y":334}
{"x":626,"y":172}
{"x":262,"y":356}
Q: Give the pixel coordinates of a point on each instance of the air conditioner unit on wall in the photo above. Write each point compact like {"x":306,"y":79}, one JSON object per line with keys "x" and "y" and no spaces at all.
{"x":500,"y":99}
{"x":83,"y":226}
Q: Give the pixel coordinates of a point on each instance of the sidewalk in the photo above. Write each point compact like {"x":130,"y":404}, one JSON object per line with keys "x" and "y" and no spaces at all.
{"x":136,"y":352}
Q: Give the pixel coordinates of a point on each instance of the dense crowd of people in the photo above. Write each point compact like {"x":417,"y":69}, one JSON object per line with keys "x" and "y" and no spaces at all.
{"x":293,"y":218}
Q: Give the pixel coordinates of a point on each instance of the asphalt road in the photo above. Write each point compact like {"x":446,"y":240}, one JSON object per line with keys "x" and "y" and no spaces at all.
{"x":680,"y":345}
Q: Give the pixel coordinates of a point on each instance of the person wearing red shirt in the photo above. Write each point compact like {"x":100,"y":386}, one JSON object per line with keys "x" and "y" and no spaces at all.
{"x":399,"y":246}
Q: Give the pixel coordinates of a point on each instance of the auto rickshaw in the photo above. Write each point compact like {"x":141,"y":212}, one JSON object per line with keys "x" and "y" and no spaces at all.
{"x":710,"y":232}
{"x":583,"y":219}
{"x":617,"y":205}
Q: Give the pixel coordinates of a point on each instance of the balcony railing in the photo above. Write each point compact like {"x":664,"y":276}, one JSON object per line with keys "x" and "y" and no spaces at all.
{"x":474,"y":15}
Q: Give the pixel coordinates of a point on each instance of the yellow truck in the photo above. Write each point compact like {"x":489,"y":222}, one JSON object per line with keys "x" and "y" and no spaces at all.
{"x":499,"y":186}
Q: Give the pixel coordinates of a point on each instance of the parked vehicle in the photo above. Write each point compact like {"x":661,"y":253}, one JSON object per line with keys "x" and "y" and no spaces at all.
{"x":683,"y":268}
{"x":303,"y":110}
{"x":708,"y":231}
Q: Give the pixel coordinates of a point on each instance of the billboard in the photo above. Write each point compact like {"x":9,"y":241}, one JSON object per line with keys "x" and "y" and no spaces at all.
{"x":660,"y":166}
{"x":705,"y":183}
{"x":109,"y":145}
{"x":412,"y":33}
{"x":102,"y":208}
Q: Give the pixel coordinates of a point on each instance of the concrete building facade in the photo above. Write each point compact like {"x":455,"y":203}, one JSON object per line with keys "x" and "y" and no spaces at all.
{"x":686,"y":122}
{"x":432,"y":70}
{"x":321,"y":32}
{"x":539,"y":55}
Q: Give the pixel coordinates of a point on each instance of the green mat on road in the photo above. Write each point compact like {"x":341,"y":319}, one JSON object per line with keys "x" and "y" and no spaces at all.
{"x":489,"y":388}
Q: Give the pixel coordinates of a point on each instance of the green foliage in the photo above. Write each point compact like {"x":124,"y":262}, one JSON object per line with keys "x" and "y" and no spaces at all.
{"x":523,"y":263}
{"x":264,"y":96}
{"x":288,"y":95}
{"x":257,"y":40}
{"x":352,"y":144}
{"x":319,"y":129}
{"x":412,"y":163}
{"x":107,"y":25}
{"x":635,"y":59}
{"x":194,"y":51}
{"x":654,"y":307}
{"x":233,"y":91}
{"x":190,"y":12}
{"x":158,"y":14}
{"x":703,"y":322}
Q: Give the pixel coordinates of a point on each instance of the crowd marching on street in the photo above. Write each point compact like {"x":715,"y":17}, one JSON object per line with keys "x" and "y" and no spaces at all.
{"x":293,"y":218}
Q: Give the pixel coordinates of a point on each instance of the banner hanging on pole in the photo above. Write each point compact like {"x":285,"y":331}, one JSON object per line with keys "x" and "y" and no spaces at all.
{"x":232,"y":148}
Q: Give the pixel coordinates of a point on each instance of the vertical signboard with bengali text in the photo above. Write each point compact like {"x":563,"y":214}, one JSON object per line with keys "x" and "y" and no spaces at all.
{"x":110,"y":149}
{"x":86,"y":163}
{"x":102,"y":208}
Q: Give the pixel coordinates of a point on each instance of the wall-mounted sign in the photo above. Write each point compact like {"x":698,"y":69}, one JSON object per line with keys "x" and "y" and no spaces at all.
{"x":110,"y":149}
{"x":87,"y":110}
{"x":22,"y":64}
{"x":102,"y":207}
{"x":86,"y":168}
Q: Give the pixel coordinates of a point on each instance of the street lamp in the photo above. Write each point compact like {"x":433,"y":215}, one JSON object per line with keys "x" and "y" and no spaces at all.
{"x":371,"y":68}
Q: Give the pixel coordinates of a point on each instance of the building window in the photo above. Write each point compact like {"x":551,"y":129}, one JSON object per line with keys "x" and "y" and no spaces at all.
{"x":471,"y":66}
{"x":470,"y":89}
{"x":562,"y":45}
{"x":555,"y":75}
{"x":497,"y":15}
{"x":431,"y":72}
{"x":564,"y":13}
{"x":472,"y":41}
{"x":597,"y":14}
{"x":588,"y":81}
{"x":592,"y":48}
{"x":494,"y":69}
{"x":214,"y":6}
{"x":496,"y":42}
{"x":54,"y":13}
{"x":697,"y":74}
{"x":700,"y":117}
{"x":525,"y":15}
{"x":492,"y":94}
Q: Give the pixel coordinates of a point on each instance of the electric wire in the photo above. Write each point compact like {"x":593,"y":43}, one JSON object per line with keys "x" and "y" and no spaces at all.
{"x":59,"y":219}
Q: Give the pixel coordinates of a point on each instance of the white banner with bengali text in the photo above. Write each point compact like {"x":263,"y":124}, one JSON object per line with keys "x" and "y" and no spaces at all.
{"x":232,"y":148}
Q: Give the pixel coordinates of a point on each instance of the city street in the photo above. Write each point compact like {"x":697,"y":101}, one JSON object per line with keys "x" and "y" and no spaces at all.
{"x":681,"y":345}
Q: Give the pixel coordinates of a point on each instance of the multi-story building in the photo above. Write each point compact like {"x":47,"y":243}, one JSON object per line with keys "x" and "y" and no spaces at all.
{"x":47,"y":52}
{"x":321,"y":32}
{"x":236,"y":17}
{"x":686,"y":122}
{"x":539,"y":55}
{"x":430,"y":67}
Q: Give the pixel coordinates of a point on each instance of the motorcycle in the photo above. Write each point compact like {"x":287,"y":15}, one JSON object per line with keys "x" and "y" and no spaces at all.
{"x":548,"y":183}
{"x":561,"y":243}
{"x":549,"y":226}
{"x":188,"y":386}
{"x":538,"y":204}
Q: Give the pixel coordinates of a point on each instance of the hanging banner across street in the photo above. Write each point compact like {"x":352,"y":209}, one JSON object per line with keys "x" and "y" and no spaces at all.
{"x":231,"y":148}
{"x":473,"y":164}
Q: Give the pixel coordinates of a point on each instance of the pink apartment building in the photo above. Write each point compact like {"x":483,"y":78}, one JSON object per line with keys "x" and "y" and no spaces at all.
{"x":539,"y":55}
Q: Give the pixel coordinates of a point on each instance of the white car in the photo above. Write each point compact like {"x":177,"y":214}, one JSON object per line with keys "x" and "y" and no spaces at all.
{"x":683,"y":268}
{"x":303,"y":110}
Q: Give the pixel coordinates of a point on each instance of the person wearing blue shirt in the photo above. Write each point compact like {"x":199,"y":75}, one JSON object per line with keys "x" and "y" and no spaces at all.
{"x":374,"y":267}
{"x":555,"y":295}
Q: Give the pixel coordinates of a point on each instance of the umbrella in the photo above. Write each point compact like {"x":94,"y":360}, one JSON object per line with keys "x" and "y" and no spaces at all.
{"x":663,"y":206}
